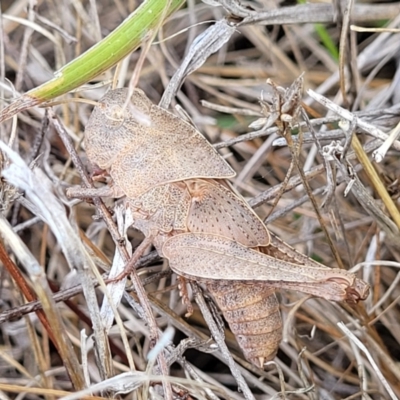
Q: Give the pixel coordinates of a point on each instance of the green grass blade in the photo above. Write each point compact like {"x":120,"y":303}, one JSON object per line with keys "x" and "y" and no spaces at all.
{"x":118,"y":44}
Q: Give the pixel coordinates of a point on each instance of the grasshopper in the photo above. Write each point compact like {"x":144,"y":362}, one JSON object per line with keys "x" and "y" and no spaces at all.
{"x":176,"y":186}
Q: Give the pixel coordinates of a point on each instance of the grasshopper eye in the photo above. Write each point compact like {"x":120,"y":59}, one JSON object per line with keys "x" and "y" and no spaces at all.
{"x":115,"y":116}
{"x":116,"y":113}
{"x":129,"y":114}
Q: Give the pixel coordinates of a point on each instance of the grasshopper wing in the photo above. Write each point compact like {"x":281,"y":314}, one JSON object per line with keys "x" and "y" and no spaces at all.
{"x":210,"y":257}
{"x":218,"y":211}
{"x":144,"y":146}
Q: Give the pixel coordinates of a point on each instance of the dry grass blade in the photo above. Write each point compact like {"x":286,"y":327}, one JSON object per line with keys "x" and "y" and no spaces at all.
{"x":348,"y":75}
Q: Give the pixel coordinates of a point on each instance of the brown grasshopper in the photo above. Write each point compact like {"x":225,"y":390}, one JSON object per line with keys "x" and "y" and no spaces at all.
{"x":175,"y":185}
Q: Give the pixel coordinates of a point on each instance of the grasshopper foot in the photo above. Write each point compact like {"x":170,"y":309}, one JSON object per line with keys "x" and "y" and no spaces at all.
{"x":183,"y":291}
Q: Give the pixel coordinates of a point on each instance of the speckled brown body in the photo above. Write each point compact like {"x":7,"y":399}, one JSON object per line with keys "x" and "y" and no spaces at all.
{"x":175,"y":186}
{"x":205,"y":206}
{"x":252,"y":312}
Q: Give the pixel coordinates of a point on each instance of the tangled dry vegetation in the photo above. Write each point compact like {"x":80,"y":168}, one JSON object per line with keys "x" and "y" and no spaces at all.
{"x":330,"y":350}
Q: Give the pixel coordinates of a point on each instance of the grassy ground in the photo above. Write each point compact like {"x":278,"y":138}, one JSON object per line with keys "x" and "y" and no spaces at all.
{"x":354,"y":189}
